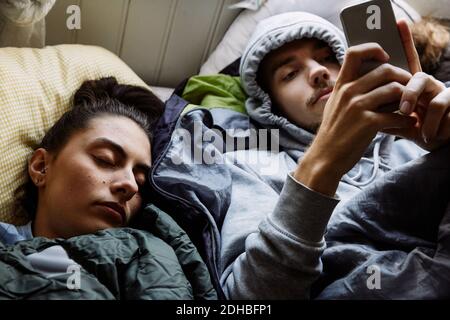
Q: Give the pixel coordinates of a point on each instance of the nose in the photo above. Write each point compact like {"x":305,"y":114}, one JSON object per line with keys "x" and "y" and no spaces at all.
{"x":318,"y":74}
{"x":124,"y":186}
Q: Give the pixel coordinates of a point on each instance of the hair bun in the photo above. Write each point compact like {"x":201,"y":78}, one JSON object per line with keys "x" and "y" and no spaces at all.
{"x":93,"y":91}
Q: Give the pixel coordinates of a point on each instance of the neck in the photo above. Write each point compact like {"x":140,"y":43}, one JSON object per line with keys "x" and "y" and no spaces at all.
{"x":41,"y":226}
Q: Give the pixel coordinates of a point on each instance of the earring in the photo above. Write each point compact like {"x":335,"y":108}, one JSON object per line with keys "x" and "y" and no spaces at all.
{"x":44,"y":170}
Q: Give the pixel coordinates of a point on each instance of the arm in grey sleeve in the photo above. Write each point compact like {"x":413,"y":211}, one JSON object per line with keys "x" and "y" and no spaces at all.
{"x":282,"y":259}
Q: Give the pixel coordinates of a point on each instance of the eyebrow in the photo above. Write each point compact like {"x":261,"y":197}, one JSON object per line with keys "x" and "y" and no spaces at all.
{"x":289,"y":59}
{"x":282,"y":63}
{"x":118,"y":149}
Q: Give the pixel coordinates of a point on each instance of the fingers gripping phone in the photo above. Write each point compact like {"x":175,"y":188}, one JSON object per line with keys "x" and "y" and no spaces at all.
{"x":374,"y":21}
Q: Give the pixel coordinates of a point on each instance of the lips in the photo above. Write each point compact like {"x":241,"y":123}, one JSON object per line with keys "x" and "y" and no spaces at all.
{"x":115,"y":208}
{"x":322,"y":93}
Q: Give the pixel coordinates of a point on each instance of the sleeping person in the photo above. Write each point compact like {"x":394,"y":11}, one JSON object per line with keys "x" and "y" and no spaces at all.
{"x":302,"y":80}
{"x":86,"y":183}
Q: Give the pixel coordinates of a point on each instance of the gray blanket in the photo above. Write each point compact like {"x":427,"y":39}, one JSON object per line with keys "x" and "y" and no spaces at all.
{"x":392,"y":241}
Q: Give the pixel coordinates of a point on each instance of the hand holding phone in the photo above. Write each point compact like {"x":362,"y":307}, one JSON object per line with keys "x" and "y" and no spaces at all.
{"x":374,"y":21}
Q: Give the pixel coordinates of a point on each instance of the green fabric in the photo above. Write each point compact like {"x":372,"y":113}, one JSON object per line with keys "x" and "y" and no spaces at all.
{"x":192,"y":264}
{"x":117,"y":263}
{"x":213,"y":91}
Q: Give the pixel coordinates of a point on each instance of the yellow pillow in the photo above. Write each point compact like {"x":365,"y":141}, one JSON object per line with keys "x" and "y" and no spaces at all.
{"x":36,"y":88}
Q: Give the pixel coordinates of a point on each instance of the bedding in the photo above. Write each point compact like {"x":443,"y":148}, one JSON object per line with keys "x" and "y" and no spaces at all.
{"x":215,"y":91}
{"x":400,"y":229}
{"x":36,"y":87}
{"x":393,"y":225}
{"x":158,"y":263}
{"x":162,"y":93}
{"x":197,"y":196}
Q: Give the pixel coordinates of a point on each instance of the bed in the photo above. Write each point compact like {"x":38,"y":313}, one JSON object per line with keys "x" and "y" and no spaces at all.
{"x":36,"y":87}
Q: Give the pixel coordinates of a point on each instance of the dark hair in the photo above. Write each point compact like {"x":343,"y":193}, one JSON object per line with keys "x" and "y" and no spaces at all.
{"x":95,"y":98}
{"x":263,"y":83}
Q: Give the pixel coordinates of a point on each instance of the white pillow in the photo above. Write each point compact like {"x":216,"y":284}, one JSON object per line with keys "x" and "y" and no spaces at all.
{"x":163,"y":93}
{"x":236,"y":38}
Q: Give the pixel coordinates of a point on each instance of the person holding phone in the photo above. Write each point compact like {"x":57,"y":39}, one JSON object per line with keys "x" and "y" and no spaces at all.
{"x":302,"y":80}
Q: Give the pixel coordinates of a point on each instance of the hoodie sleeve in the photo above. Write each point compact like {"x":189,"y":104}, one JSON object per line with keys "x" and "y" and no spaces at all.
{"x":282,"y":259}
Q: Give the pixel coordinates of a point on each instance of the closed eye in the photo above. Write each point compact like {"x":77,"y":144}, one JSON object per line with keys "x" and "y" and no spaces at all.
{"x":104,"y":162}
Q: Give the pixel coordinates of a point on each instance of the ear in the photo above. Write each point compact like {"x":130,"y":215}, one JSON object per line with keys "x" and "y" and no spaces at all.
{"x":37,"y":166}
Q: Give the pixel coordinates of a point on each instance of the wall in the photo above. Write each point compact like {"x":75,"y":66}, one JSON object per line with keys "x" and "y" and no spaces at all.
{"x":164,"y":41}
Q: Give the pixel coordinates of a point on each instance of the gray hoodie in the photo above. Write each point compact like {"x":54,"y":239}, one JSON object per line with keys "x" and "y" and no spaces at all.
{"x":272,"y":236}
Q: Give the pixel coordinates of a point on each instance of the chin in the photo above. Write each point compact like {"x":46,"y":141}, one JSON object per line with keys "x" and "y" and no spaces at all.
{"x":320,"y":104}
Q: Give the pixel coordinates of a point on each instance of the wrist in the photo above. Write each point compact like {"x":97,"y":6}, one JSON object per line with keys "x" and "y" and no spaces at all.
{"x":318,"y":174}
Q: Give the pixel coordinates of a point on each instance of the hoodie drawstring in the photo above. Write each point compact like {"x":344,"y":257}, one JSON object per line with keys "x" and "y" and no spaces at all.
{"x":376,"y":166}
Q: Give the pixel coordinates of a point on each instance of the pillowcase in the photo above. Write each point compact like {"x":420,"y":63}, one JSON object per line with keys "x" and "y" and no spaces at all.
{"x":236,"y":38}
{"x":36,"y":88}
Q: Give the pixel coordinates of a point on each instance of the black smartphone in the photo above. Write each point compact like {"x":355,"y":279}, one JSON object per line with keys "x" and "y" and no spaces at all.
{"x":374,"y":21}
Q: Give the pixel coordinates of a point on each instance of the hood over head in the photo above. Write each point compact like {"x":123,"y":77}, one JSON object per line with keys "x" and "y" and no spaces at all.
{"x":270,"y":34}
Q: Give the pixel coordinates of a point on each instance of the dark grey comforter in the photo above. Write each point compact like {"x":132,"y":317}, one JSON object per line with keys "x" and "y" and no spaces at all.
{"x":392,"y":241}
